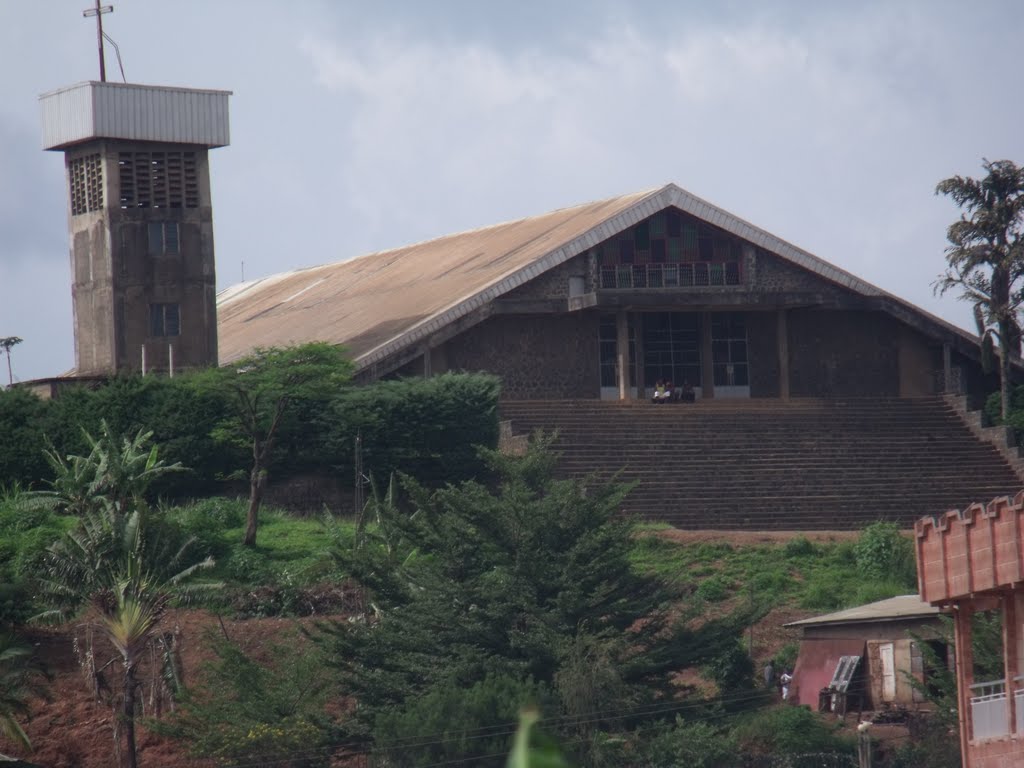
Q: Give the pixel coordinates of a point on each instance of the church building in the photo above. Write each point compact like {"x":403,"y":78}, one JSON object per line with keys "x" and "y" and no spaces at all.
{"x":605,"y":299}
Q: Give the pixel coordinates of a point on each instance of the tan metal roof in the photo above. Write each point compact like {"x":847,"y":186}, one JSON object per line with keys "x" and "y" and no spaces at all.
{"x":384,"y":302}
{"x":367,"y":301}
{"x":901,"y":607}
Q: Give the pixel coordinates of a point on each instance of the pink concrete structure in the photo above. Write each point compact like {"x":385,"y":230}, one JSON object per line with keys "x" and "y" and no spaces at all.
{"x":973,"y":561}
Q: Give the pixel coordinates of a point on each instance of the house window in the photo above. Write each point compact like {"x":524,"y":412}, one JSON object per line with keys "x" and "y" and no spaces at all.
{"x":163,"y":238}
{"x":164,"y":320}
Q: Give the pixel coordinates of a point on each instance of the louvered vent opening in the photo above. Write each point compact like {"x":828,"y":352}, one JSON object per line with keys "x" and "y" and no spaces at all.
{"x":86,"y":184}
{"x":159,"y":180}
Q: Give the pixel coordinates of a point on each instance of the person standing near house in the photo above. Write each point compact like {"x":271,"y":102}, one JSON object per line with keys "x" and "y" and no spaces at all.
{"x":784,"y":680}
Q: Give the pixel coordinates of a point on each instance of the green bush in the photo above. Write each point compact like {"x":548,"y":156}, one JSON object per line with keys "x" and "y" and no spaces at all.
{"x":799,"y":546}
{"x":713,"y":589}
{"x":785,"y":657}
{"x":873,"y":591}
{"x":787,"y":730}
{"x":246,"y":713}
{"x":732,"y":670}
{"x":884,"y":553}
{"x":694,"y":745}
{"x":825,"y":590}
{"x":429,"y":429}
{"x":23,"y":419}
{"x":208,"y":520}
{"x":452,"y":723}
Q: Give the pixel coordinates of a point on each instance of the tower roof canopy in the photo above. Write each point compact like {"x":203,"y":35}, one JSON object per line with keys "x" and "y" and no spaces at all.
{"x":93,"y":110}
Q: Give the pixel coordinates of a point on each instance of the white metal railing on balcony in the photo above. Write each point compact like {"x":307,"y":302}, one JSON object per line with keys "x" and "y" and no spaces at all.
{"x":695,"y":274}
{"x":988,"y":710}
{"x":1018,"y":701}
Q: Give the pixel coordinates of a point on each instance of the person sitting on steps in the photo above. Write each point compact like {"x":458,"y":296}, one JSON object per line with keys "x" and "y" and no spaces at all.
{"x":686,"y":393}
{"x":661,"y":392}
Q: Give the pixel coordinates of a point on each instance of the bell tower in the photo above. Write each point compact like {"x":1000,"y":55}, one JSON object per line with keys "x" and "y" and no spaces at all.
{"x":140,"y":221}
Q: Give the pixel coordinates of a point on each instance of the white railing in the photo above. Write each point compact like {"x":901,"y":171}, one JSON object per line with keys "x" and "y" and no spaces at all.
{"x":1018,"y":700}
{"x":1019,"y":704}
{"x":988,"y":710}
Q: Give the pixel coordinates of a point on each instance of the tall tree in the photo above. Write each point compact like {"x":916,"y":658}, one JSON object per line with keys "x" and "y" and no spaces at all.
{"x":264,"y":390}
{"x":6,"y":343}
{"x":518,"y":575}
{"x":985,"y":257}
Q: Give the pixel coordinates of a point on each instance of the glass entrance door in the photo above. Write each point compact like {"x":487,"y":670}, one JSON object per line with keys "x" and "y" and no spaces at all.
{"x":672,"y":349}
{"x":730,"y":367}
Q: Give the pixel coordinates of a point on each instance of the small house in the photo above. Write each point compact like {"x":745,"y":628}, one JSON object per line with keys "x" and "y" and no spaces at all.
{"x":865,"y":657}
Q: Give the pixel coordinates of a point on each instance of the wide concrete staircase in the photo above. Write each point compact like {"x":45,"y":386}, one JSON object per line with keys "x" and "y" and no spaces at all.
{"x":769,"y":464}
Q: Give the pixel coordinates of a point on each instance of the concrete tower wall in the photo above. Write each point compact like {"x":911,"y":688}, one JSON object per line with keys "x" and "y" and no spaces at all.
{"x":140,"y":221}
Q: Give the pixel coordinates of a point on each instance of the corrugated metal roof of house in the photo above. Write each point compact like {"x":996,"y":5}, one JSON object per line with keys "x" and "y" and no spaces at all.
{"x":367,"y":301}
{"x":901,"y":607}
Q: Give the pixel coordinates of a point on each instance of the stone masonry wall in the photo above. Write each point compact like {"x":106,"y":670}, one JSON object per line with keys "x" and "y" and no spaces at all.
{"x":537,"y":357}
{"x":775,"y":275}
{"x":553,"y":284}
{"x":843,"y":354}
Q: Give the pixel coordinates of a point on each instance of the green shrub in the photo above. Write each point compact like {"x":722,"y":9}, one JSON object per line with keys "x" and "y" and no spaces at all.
{"x":785,"y":657}
{"x":427,"y":428}
{"x":825,"y":590}
{"x":799,"y":546}
{"x":873,"y":591}
{"x":208,"y":521}
{"x":732,"y":670}
{"x":694,"y":745}
{"x":770,"y":583}
{"x":246,"y":566}
{"x":23,"y":421}
{"x":884,"y":553}
{"x":713,"y":589}
{"x":788,"y":731}
{"x":246,"y":713}
{"x":456,"y":724}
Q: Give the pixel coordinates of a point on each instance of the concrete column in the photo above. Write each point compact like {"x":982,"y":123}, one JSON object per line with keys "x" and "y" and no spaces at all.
{"x":638,"y":333}
{"x":622,"y":353}
{"x":427,"y":363}
{"x":1011,"y":630}
{"x":964,"y":673}
{"x":707,"y":378}
{"x":782,"y":332}
{"x":947,"y":368}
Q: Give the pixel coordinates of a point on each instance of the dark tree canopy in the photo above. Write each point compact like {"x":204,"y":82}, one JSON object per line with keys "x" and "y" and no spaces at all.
{"x":985,"y":257}
{"x":263,"y":391}
{"x":527,"y":577}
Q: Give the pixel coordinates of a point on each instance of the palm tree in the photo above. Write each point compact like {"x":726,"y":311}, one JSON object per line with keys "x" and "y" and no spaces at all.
{"x":985,"y":258}
{"x":5,"y":344}
{"x":13,"y":675}
{"x":120,"y":565}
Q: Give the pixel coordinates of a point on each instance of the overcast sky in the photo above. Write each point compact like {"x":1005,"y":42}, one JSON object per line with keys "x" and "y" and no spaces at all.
{"x":359,"y":126}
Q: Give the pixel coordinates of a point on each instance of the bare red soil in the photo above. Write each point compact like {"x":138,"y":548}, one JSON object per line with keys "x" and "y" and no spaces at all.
{"x":72,"y":726}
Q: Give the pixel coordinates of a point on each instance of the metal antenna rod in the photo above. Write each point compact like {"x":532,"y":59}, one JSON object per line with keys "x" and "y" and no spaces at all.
{"x":98,"y":12}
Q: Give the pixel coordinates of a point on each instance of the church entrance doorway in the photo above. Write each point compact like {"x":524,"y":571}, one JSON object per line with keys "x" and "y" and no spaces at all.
{"x":688,"y":349}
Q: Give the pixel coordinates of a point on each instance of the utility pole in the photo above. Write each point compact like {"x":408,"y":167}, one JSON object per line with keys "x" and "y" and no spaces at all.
{"x":98,"y":12}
